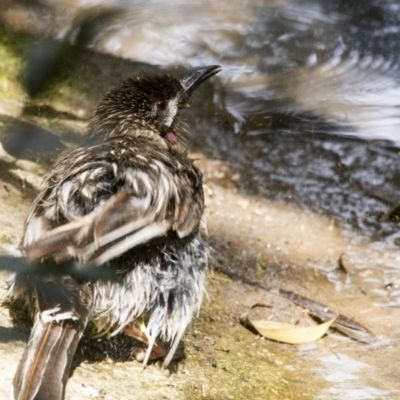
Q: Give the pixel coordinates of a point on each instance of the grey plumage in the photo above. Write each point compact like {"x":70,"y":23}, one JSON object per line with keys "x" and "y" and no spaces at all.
{"x":132,"y":201}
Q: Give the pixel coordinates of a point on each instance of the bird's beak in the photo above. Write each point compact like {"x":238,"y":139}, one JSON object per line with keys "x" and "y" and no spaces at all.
{"x":197,"y":77}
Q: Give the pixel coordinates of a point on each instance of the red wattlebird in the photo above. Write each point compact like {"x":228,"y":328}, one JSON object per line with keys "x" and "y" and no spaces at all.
{"x":129,"y":200}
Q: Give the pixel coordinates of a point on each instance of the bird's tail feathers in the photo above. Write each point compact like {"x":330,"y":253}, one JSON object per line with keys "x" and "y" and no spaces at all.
{"x":43,"y":371}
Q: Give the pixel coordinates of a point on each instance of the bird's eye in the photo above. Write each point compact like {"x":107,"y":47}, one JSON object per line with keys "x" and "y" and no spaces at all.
{"x":161,"y":105}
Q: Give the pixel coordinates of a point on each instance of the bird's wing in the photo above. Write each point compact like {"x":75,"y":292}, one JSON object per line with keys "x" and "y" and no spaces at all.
{"x":104,"y":200}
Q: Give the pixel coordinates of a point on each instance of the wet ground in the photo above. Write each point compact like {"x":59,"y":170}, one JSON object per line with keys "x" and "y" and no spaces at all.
{"x":298,"y":139}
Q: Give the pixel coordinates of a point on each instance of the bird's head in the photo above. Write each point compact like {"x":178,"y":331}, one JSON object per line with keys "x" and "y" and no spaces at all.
{"x":147,"y":105}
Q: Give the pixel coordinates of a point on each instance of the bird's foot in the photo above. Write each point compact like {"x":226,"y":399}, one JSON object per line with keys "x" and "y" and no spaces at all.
{"x":159,"y":350}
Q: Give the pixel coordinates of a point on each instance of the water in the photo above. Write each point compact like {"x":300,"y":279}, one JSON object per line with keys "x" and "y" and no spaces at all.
{"x":308,"y":100}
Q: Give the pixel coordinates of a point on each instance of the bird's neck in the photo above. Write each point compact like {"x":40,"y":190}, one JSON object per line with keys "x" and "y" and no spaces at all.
{"x":97,"y":132}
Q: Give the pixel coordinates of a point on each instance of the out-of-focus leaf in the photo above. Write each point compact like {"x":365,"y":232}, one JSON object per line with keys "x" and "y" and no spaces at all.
{"x":90,"y":24}
{"x":49,"y":61}
{"x":287,"y":333}
{"x":41,"y":62}
{"x":14,"y":264}
{"x":50,"y":268}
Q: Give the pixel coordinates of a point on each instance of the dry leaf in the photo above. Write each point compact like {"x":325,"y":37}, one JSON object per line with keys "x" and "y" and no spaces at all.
{"x":288,"y":333}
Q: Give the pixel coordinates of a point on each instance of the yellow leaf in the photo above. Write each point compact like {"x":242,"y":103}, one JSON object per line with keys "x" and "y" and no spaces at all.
{"x":288,"y":333}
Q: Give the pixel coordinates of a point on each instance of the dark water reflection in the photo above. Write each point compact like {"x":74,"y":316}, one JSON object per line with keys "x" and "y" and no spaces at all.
{"x":308,"y":99}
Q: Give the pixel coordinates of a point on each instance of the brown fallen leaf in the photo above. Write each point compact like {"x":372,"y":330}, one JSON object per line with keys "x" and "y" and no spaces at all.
{"x":287,"y":333}
{"x":342,"y":323}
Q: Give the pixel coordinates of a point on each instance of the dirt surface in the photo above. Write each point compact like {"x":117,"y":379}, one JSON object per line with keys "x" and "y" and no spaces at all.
{"x":266,"y":241}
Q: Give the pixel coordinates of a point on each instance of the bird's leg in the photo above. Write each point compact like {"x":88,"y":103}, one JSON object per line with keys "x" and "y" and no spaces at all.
{"x":158,"y":352}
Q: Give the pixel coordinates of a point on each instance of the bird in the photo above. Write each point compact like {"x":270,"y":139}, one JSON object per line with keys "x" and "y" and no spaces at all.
{"x":128,"y":200}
